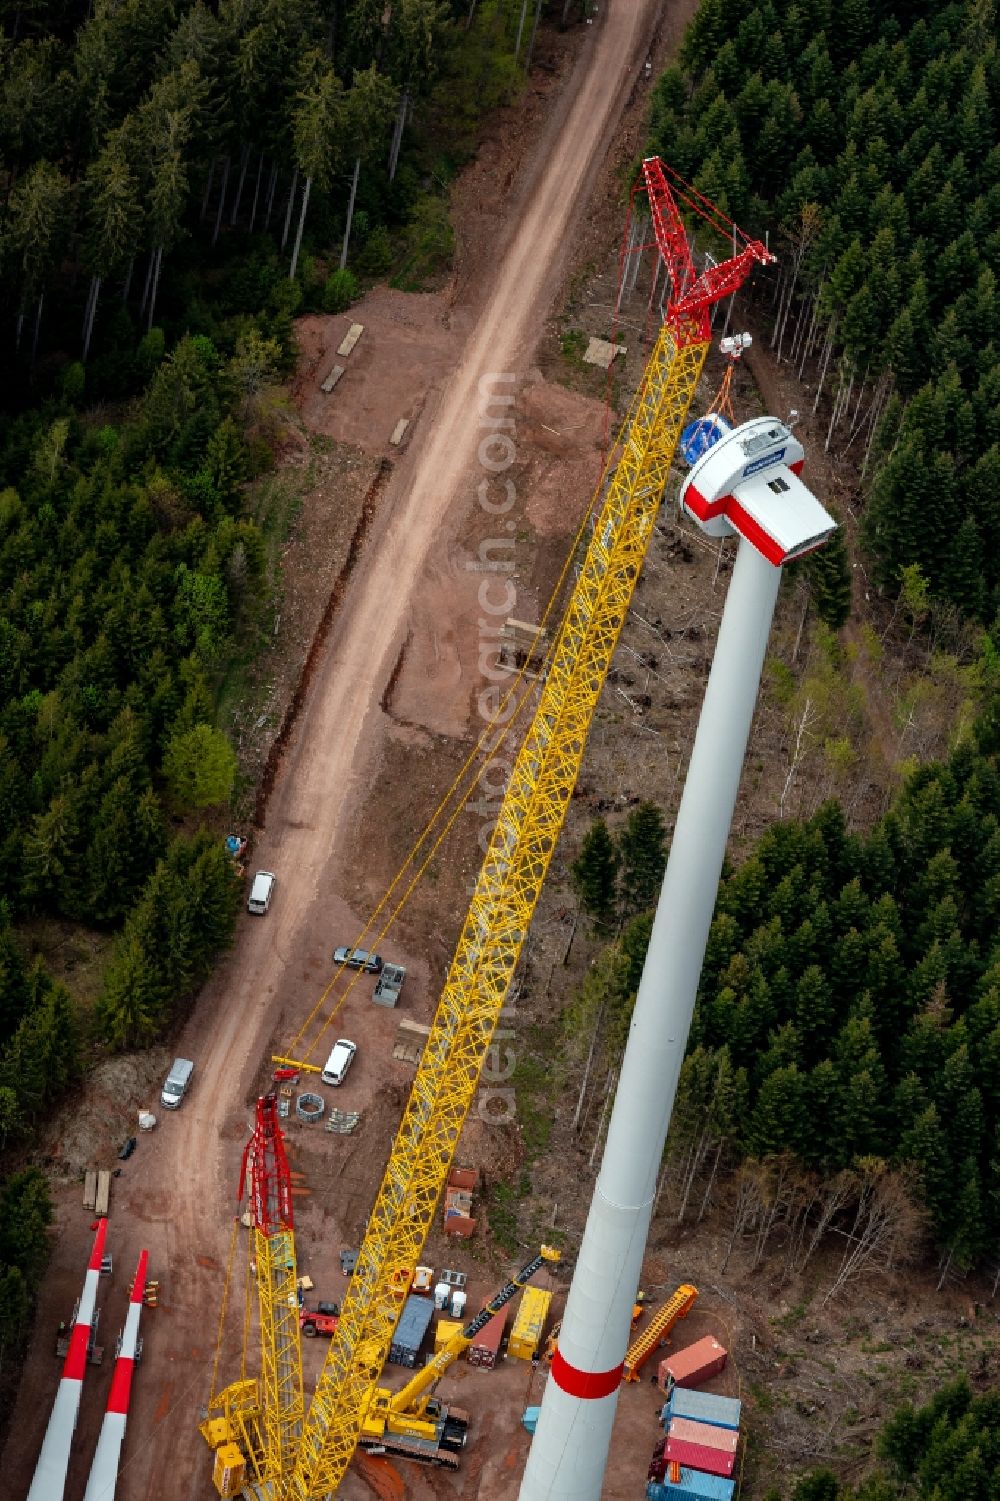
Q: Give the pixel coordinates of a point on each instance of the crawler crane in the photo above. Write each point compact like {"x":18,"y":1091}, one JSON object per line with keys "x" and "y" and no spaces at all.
{"x":259,"y":1423}
{"x":522,"y":843}
{"x":415,"y":1425}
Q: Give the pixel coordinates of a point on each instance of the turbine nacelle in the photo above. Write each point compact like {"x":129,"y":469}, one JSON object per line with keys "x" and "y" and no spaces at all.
{"x":746,"y":483}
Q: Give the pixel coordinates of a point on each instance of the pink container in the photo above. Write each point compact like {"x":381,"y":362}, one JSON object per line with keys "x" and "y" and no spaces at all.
{"x":690,"y":1432}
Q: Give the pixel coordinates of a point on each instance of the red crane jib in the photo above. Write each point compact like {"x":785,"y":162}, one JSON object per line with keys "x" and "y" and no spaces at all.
{"x":265,"y":1165}
{"x":691,"y":295}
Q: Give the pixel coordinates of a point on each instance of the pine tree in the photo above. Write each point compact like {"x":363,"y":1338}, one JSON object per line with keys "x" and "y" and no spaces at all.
{"x":15,"y":989}
{"x":134,"y":1003}
{"x":15,"y":1307}
{"x":923,"y":1145}
{"x":814,"y":1011}
{"x":634,"y":943}
{"x":641,"y":851}
{"x":594,"y":874}
{"x":779,"y":1120}
{"x":829,"y":572}
{"x":25,"y":1217}
{"x":212,"y":892}
{"x":200,"y":767}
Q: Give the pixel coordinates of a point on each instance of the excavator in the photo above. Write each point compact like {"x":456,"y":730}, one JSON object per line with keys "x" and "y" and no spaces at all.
{"x":412,"y":1423}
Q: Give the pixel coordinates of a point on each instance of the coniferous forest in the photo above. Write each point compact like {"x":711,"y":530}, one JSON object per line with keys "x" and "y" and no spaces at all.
{"x":863,"y":137}
{"x":947,"y":1450}
{"x":849,"y":1008}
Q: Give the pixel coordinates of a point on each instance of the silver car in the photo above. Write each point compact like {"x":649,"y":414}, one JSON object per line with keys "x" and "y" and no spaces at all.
{"x":358,"y":959}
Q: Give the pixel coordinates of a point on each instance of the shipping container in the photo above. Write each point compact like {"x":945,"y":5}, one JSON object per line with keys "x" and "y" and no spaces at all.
{"x":411,"y":1331}
{"x":526,"y":1334}
{"x":486,"y":1349}
{"x":444,"y":1331}
{"x":529,"y":1418}
{"x":695,"y":1485}
{"x":700,"y":1457}
{"x":695,"y":1363}
{"x":709,"y":1434}
{"x":703,"y":1407}
{"x":458,"y":1216}
{"x":463,"y":1177}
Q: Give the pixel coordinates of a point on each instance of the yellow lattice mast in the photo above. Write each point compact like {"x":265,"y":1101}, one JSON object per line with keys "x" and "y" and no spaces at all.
{"x":528,"y":823}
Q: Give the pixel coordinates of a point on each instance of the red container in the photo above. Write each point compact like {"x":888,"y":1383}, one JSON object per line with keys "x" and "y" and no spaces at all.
{"x":695,"y":1363}
{"x":463,"y":1177}
{"x":690,"y":1432}
{"x":700,"y":1457}
{"x":486,"y":1348}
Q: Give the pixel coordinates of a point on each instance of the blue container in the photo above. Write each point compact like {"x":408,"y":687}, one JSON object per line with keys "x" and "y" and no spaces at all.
{"x":695,"y":1485}
{"x":699,"y":436}
{"x":529,"y":1418}
{"x":702,"y":1407}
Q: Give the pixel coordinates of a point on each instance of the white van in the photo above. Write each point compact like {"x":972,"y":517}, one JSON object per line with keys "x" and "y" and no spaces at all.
{"x":336,"y":1066}
{"x":177,"y":1083}
{"x":260,"y":893}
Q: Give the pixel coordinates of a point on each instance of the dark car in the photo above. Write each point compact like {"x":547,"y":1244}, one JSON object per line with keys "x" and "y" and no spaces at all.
{"x":358,"y":959}
{"x":128,"y":1147}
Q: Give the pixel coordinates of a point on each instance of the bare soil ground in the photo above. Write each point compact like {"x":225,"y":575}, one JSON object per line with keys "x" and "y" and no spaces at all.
{"x":405,"y":353}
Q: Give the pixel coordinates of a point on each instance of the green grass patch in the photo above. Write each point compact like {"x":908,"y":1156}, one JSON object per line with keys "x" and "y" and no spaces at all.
{"x":763,"y":1399}
{"x":572,"y":345}
{"x":501,"y":1210}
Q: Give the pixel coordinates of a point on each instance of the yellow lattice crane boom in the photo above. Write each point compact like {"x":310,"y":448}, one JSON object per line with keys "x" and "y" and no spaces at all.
{"x":523,"y":840}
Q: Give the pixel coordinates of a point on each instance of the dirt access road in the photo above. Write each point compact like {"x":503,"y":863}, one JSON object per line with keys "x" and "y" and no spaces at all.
{"x":176,"y":1200}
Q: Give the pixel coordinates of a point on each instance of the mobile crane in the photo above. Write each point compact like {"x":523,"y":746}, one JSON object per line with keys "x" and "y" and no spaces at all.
{"x":530,"y":817}
{"x":414,"y":1424}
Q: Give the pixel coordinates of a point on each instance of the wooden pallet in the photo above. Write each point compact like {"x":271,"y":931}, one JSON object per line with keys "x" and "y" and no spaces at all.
{"x":350,"y":339}
{"x":90,"y":1188}
{"x":102,"y":1198}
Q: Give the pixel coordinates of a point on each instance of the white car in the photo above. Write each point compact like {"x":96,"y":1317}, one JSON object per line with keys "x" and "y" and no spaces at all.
{"x":336,"y":1066}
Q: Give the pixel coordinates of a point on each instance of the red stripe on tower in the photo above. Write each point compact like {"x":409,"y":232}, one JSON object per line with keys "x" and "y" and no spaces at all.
{"x":591,"y":1385}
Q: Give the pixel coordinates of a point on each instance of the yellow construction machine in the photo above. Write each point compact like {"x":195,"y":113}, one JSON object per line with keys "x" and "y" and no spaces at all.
{"x":414,"y":1424}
